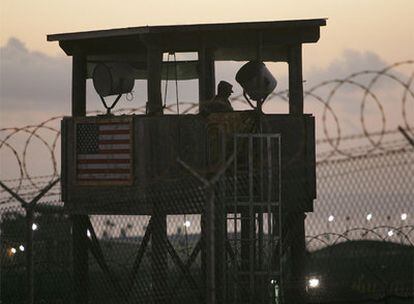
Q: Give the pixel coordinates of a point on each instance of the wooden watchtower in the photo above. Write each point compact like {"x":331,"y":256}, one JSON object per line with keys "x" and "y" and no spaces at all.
{"x":267,"y":186}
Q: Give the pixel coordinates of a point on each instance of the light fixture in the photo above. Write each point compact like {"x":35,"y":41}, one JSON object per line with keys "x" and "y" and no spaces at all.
{"x":404,"y":216}
{"x":187,"y":224}
{"x":21,"y":247}
{"x":276,"y":290}
{"x":331,"y":218}
{"x":112,"y":79}
{"x":369,"y":216}
{"x":257,"y":82}
{"x":13,"y":250}
{"x":314,"y":282}
{"x":390,"y":233}
{"x":34,"y":226}
{"x":88,"y":233}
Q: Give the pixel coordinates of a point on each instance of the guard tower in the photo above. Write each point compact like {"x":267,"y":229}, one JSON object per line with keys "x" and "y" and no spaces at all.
{"x":261,"y":166}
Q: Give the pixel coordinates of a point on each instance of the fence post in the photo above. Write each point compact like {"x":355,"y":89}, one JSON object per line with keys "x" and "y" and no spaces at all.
{"x":29,"y":256}
{"x":209,"y":224}
{"x":29,"y":208}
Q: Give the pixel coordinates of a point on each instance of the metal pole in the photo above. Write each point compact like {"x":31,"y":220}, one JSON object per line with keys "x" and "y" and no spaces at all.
{"x":29,"y":256}
{"x":29,"y":208}
{"x":209,"y":225}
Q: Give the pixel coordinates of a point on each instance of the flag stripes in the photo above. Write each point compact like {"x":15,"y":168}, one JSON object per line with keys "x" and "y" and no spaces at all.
{"x":104,"y":151}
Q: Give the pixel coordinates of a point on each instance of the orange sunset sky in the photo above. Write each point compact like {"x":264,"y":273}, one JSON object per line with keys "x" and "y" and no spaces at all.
{"x":383,"y":26}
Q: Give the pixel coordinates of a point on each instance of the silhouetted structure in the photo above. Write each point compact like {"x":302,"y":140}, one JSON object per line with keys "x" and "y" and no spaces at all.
{"x":251,"y":176}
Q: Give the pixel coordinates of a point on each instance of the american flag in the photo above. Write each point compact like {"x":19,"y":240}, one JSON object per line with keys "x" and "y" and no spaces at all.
{"x":104,"y":152}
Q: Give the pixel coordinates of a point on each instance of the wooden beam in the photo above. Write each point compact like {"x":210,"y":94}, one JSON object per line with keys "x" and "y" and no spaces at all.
{"x":139,"y":256}
{"x":154,"y":66}
{"x":295,"y":80}
{"x":79,"y":227}
{"x":220,"y":223}
{"x":191,"y":259}
{"x":295,"y":292}
{"x":96,"y":250}
{"x":203,"y":254}
{"x":294,"y":239}
{"x":184,"y":269}
{"x":78,"y":85}
{"x":210,"y":246}
{"x":159,"y":256}
{"x":206,"y":78}
{"x":80,"y":259}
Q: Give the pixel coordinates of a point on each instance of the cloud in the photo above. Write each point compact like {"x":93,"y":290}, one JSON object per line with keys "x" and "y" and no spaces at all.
{"x":349,"y":62}
{"x":33,"y":81}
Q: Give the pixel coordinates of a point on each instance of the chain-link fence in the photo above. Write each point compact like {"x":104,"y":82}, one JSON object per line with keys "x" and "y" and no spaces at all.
{"x":359,"y":238}
{"x":359,"y":242}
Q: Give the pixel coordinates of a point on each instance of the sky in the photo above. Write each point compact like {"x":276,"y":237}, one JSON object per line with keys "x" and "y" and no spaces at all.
{"x":367,"y":25}
{"x":381,"y":25}
{"x":360,"y":34}
{"x":365,"y":28}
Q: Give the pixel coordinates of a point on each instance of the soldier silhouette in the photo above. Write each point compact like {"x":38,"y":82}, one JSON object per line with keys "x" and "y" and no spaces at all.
{"x":219,"y":103}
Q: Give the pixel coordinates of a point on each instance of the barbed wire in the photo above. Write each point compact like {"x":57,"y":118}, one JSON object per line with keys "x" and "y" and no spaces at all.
{"x":18,"y":140}
{"x":369,"y":93}
{"x":402,"y":235}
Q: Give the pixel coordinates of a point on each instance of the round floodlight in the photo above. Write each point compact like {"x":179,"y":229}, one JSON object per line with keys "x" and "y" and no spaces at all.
{"x":256,"y":80}
{"x":390,"y":233}
{"x":21,"y":247}
{"x":404,"y":216}
{"x":88,"y":233}
{"x":34,"y":226}
{"x":112,"y":79}
{"x":331,"y":218}
{"x":187,"y":224}
{"x":369,"y":216}
{"x":13,"y":250}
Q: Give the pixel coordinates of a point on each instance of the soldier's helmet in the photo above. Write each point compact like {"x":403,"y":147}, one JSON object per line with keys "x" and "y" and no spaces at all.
{"x":224,"y":86}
